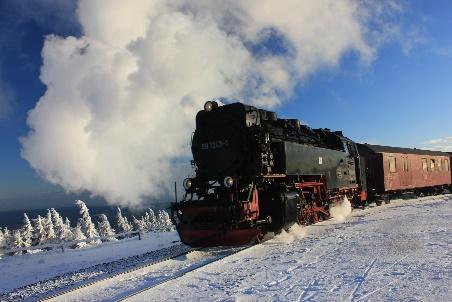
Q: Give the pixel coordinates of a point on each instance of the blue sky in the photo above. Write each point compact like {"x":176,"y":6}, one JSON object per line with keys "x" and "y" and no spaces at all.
{"x":403,"y":98}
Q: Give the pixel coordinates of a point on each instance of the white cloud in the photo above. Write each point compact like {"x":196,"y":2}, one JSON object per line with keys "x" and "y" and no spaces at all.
{"x":121,"y":99}
{"x":439,"y":144}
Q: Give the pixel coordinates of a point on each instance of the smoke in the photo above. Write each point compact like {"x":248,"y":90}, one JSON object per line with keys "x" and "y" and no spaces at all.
{"x":339,"y":212}
{"x":121,"y":99}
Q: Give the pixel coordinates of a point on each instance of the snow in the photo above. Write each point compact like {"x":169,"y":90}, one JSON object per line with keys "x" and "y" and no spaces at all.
{"x":25,"y":269}
{"x":398,"y":251}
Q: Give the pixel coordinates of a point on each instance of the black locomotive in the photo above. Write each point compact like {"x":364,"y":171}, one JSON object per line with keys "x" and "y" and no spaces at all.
{"x":257,"y":173}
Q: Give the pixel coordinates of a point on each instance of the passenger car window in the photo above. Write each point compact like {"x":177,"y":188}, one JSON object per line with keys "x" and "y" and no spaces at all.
{"x":432,"y":164}
{"x":439,"y":164}
{"x":405,"y":164}
{"x":392,"y":164}
{"x":424,"y":164}
{"x":446,"y":164}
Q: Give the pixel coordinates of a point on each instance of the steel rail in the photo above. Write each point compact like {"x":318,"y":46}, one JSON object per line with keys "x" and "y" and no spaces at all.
{"x":183,"y":273}
{"x":130,"y":270}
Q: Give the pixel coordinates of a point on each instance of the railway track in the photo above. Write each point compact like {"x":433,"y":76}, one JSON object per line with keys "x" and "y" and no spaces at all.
{"x":67,"y":281}
{"x":186,"y":262}
{"x":110,"y":276}
{"x":180,"y":274}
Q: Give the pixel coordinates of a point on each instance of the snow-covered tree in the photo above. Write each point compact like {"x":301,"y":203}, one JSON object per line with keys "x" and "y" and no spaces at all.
{"x":105,"y":228}
{"x":2,"y":239}
{"x":86,"y":223}
{"x":16,"y":241}
{"x":122,"y":223}
{"x":78,"y":234}
{"x":67,"y":223}
{"x":49,"y":228}
{"x":58,"y":224}
{"x":164,"y":221}
{"x":27,"y":232}
{"x":67,"y":233}
{"x":39,"y":232}
{"x":7,"y":239}
{"x":151,"y":220}
{"x":139,"y":224}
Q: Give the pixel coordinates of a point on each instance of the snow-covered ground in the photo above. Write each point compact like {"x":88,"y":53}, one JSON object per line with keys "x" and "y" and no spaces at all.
{"x":25,"y":269}
{"x":400,"y":251}
{"x":397,"y":252}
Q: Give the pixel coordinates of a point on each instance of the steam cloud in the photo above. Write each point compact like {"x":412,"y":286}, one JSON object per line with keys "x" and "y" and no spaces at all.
{"x":121,"y":99}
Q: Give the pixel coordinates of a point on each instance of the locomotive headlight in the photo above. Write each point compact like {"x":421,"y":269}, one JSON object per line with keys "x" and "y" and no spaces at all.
{"x":228,"y":181}
{"x":209,"y":105}
{"x":187,"y":183}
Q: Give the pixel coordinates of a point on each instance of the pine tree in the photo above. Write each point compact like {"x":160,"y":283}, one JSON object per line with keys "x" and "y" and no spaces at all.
{"x":139,"y":224}
{"x":122,"y":223}
{"x":164,"y":221}
{"x":58,"y":224}
{"x":87,"y":225}
{"x":67,"y":233}
{"x":27,"y":232}
{"x":2,"y":240}
{"x":49,"y":228}
{"x":105,"y":228}
{"x":151,"y":221}
{"x":7,"y":239}
{"x":78,"y":235}
{"x":39,"y":233}
{"x":16,"y":241}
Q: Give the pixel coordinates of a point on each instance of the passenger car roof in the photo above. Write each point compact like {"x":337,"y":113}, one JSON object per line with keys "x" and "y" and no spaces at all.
{"x":389,"y":149}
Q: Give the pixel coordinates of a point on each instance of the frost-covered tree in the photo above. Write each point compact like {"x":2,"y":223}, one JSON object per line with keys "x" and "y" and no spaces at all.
{"x":67,"y":223}
{"x":86,"y":223}
{"x":164,"y":221}
{"x":139,"y":224}
{"x":2,"y":239}
{"x":67,"y":233}
{"x":16,"y":241}
{"x":49,"y":228}
{"x":78,"y":235}
{"x":151,"y":220}
{"x":122,"y":223}
{"x":6,"y":239}
{"x":39,"y":232}
{"x":27,"y":232}
{"x":58,"y":224}
{"x":104,"y":228}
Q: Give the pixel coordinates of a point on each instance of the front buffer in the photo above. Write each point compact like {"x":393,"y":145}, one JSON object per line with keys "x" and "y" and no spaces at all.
{"x":217,"y":223}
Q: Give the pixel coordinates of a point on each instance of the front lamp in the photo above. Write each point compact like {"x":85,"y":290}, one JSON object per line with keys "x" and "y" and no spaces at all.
{"x":187,"y":183}
{"x":228,"y":181}
{"x":210,"y":105}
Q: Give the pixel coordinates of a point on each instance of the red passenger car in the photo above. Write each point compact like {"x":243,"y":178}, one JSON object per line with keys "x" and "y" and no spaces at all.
{"x":392,"y":170}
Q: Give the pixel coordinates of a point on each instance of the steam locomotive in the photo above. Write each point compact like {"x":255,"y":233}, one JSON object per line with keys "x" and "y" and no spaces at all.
{"x":257,"y":173}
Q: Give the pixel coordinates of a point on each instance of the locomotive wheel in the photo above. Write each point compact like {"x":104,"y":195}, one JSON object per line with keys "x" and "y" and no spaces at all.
{"x":260,"y":237}
{"x":302,"y":218}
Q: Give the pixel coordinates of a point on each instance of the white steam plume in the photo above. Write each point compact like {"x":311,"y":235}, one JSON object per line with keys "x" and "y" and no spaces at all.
{"x":121,"y":99}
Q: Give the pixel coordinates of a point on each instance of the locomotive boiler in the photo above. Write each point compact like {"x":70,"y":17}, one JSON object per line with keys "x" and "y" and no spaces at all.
{"x":257,"y":173}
